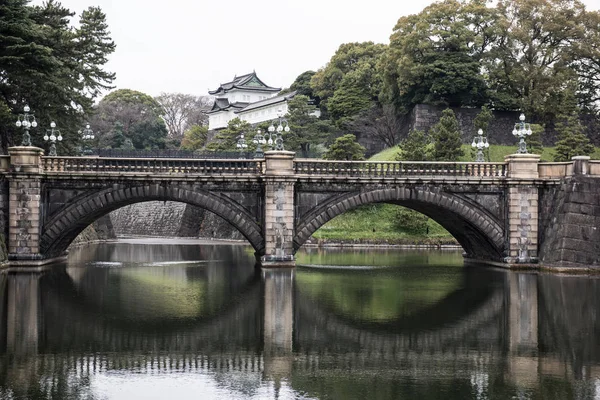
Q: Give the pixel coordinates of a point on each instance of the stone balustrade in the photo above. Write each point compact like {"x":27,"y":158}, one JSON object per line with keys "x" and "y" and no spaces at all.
{"x":399,"y":168}
{"x":151,"y":165}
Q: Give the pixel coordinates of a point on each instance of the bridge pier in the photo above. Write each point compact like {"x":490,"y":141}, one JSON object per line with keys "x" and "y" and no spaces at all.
{"x":24,"y":200}
{"x":522,"y":203}
{"x":279,"y":210}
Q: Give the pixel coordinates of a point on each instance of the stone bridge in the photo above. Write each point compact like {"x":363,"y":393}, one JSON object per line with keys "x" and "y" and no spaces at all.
{"x":499,"y":212}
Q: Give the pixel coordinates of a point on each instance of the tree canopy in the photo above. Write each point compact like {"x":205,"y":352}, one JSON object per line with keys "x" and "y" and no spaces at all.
{"x":349,"y":83}
{"x":345,"y":148}
{"x":129,"y":114}
{"x":434,"y":56}
{"x":53,"y":67}
{"x":306,"y":129}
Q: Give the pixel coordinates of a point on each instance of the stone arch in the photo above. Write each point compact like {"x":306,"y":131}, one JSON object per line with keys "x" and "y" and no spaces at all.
{"x":480,"y":234}
{"x":64,"y":227}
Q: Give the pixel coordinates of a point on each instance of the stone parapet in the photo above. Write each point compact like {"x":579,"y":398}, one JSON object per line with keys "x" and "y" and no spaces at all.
{"x":523,"y":166}
{"x":26,"y":159}
{"x":279,"y":163}
{"x":581,"y":165}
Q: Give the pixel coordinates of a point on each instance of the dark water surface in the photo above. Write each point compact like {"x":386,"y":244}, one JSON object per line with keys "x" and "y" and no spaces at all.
{"x":156,"y":320}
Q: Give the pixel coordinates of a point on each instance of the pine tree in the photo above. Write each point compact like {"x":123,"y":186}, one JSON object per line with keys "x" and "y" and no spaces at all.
{"x":416,"y":147}
{"x":573,"y":141}
{"x":345,"y":148}
{"x":482,"y":121}
{"x":226,"y":139}
{"x":446,"y":138}
{"x":52,"y":67}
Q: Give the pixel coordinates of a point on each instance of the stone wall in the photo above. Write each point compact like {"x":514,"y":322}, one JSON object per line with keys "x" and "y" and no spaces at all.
{"x":571,"y":235}
{"x":152,"y":218}
{"x":423,"y":117}
{"x":170,"y":219}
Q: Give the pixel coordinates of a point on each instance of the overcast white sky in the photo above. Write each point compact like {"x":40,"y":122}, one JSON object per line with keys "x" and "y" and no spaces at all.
{"x":191,"y":46}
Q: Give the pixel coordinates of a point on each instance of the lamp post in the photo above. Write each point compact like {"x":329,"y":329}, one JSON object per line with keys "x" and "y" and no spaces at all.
{"x":241,"y":144}
{"x":54,"y":136}
{"x":282,"y":127}
{"x":86,"y":135}
{"x":26,"y":121}
{"x":259,"y":140}
{"x":480,"y":142}
{"x":522,"y":130}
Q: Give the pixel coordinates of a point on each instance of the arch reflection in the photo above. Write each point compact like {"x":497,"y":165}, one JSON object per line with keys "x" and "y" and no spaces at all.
{"x":65,"y":333}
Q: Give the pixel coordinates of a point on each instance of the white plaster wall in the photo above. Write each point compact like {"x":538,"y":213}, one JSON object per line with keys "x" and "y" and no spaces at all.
{"x":262,"y":114}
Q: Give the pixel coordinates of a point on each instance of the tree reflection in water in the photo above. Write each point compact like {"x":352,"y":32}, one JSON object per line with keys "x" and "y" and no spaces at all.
{"x":200,"y":319}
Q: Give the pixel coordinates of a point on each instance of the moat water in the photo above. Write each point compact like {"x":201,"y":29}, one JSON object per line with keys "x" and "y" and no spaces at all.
{"x":154,"y":319}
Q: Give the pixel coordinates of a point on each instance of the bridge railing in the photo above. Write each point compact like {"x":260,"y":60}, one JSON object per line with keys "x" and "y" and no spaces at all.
{"x":152,"y":165}
{"x":399,"y":168}
{"x":555,"y":169}
{"x":594,"y":167}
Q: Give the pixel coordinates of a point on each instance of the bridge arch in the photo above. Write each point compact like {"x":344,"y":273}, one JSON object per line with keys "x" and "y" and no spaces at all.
{"x":63,"y":228}
{"x":479,"y":233}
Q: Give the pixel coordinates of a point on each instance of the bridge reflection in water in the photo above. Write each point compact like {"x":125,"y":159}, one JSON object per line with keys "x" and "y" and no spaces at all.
{"x":237,"y":332}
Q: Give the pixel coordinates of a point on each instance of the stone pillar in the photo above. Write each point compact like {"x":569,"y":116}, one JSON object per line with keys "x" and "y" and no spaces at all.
{"x":279,"y":210}
{"x":581,"y":165}
{"x":278,"y":284}
{"x":24,"y":203}
{"x":522,"y":246}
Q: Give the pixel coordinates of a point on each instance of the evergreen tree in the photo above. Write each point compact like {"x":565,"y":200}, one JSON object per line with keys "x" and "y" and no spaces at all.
{"x":194,"y":138}
{"x":306,"y":129}
{"x":54,"y":68}
{"x":482,"y":121}
{"x":416,"y":147}
{"x":534,"y":142}
{"x":446,"y":138}
{"x":137,"y":115}
{"x":573,"y":141}
{"x":345,"y":148}
{"x":226,"y":139}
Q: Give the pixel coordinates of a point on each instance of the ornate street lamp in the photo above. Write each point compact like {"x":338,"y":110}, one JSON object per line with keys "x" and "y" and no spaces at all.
{"x":522,"y":130}
{"x":54,"y":136}
{"x":283,"y":126}
{"x":241,"y":144}
{"x":259,"y":140}
{"x":480,"y":142}
{"x":86,"y":135}
{"x":26,"y":121}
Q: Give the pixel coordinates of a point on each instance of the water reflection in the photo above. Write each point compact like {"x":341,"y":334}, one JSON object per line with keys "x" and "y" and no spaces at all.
{"x":132,"y":320}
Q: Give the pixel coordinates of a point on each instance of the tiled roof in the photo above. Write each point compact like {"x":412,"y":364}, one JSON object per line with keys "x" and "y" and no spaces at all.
{"x":246,"y":82}
{"x":267,"y":102}
{"x":222,"y":104}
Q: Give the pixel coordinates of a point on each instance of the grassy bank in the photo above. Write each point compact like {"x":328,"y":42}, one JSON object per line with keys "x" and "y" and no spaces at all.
{"x":379,"y":223}
{"x":496,"y":153}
